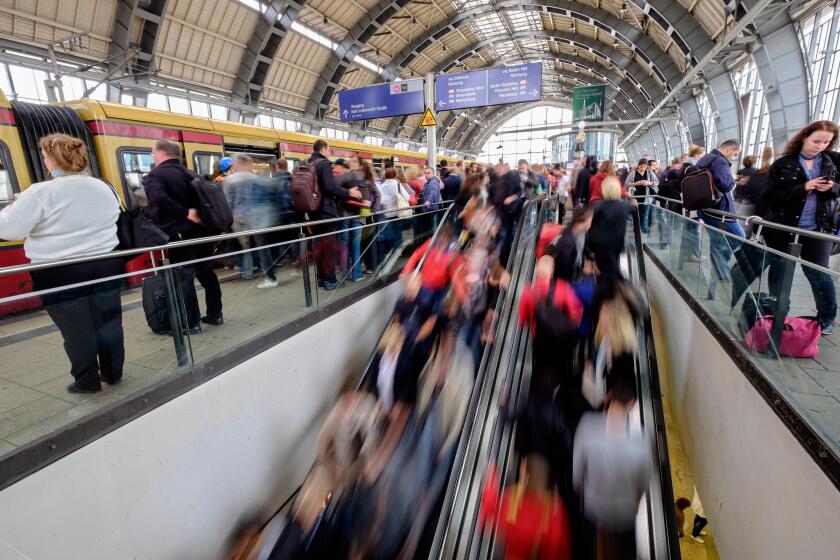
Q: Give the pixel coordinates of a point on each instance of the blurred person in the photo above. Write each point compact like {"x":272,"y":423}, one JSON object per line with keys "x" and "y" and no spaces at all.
{"x":266,"y":201}
{"x":508,"y":198}
{"x":751,"y":185}
{"x":360,"y":176}
{"x":748,"y":168}
{"x":436,"y":273}
{"x":68,"y":216}
{"x":474,"y":168}
{"x":588,"y":168}
{"x":802,"y":189}
{"x":605,"y":170}
{"x":325,"y":252}
{"x":470,"y":188}
{"x":452,"y":183}
{"x":644,"y":183}
{"x":538,"y":172}
{"x":669,"y":188}
{"x":239,"y":191}
{"x":690,"y":246}
{"x":390,"y":190}
{"x":570,"y":250}
{"x":173,"y":207}
{"x":529,"y":516}
{"x":529,"y":181}
{"x":611,"y":471}
{"x":609,"y":223}
{"x":416,"y":181}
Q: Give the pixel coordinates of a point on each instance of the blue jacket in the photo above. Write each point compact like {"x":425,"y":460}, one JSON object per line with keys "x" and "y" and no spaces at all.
{"x":431,"y":193}
{"x":724,"y":181}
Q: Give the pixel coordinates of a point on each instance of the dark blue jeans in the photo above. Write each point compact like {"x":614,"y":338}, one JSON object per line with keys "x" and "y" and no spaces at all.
{"x":722,"y":246}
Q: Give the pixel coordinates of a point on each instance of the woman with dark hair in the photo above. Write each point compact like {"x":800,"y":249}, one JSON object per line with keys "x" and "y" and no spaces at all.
{"x":802,"y":190}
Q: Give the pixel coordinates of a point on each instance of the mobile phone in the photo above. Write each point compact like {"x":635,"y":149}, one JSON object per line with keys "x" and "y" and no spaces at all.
{"x":827,"y":178}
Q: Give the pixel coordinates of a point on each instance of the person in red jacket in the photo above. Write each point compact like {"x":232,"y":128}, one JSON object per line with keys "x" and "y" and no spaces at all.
{"x":595,"y":193}
{"x":529,"y":519}
{"x":436,"y":269}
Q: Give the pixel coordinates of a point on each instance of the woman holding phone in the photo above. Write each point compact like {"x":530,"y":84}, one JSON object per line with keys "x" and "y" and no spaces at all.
{"x":802,"y":189}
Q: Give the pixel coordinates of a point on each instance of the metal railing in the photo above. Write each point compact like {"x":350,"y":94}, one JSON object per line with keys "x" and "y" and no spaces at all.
{"x":18,"y":269}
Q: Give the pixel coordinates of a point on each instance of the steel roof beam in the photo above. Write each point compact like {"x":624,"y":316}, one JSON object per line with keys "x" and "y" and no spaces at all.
{"x":261,"y":48}
{"x":149,"y":16}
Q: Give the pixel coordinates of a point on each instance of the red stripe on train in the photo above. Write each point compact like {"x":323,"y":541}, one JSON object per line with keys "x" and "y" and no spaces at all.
{"x":6,"y":116}
{"x":339,"y":152}
{"x":142,"y":131}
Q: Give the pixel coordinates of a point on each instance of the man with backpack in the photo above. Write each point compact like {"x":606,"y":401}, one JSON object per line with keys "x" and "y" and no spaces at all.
{"x":173,"y":207}
{"x":317,"y":178}
{"x":718,"y":163}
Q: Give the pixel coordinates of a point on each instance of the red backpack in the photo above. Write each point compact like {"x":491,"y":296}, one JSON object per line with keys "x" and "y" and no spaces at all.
{"x":306,"y":196}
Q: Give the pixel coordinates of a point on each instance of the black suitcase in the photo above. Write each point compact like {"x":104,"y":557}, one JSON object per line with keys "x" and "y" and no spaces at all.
{"x":156,"y":301}
{"x":756,"y":304}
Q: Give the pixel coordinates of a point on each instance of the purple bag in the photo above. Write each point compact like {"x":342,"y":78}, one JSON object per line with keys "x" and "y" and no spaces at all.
{"x":800,"y":337}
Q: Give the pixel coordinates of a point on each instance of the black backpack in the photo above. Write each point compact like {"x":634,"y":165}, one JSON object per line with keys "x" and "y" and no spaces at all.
{"x":698,"y":188}
{"x":213,"y":208}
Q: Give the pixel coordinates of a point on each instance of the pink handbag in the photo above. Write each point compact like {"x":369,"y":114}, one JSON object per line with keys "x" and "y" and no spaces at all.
{"x":800,"y":337}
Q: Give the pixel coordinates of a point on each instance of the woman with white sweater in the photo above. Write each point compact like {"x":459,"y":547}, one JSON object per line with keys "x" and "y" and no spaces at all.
{"x":74,"y":215}
{"x":390,"y":190}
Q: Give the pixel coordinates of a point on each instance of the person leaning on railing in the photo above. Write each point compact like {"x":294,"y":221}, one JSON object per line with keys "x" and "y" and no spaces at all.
{"x":802,"y":189}
{"x":69,"y":216}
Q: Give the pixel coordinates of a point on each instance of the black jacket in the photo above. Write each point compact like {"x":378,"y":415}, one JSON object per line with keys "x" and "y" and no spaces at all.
{"x":784,"y":197}
{"x":330,"y":192}
{"x":171,"y":195}
{"x":582,"y":185}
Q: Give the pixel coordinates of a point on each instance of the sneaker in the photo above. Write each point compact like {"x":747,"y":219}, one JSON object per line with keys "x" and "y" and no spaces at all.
{"x":333,"y":285}
{"x":692,"y":259}
{"x":359,"y":279}
{"x":828,"y":329}
{"x":196,"y":329}
{"x":703,"y":533}
{"x":698,"y":539}
{"x":75,"y":388}
{"x":267,"y":283}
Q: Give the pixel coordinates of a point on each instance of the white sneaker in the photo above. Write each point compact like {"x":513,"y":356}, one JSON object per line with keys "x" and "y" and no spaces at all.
{"x":698,"y":539}
{"x":702,"y":533}
{"x":267,"y":283}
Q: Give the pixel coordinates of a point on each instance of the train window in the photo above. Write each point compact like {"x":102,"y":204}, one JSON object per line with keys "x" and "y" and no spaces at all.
{"x":264,"y":164}
{"x":206,"y":163}
{"x":8,"y":188}
{"x":293,"y":164}
{"x":135,"y":164}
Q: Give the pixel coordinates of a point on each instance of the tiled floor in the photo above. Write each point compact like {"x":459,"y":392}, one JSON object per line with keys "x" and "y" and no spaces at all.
{"x":814,"y":384}
{"x":34,"y":370}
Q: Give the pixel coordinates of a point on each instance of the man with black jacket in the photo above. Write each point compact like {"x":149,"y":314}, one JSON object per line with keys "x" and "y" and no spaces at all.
{"x":326,"y":248}
{"x":173,"y":207}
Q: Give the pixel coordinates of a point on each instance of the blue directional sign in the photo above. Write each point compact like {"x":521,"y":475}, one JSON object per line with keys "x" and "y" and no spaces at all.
{"x":461,"y":90}
{"x":514,"y":84}
{"x":490,"y":86}
{"x":381,"y":100}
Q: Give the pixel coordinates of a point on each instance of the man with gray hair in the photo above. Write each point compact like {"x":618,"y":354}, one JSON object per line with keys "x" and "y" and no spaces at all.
{"x":718,"y":161}
{"x":238,"y":188}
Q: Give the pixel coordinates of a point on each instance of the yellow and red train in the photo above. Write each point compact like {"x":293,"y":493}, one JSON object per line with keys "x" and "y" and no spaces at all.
{"x":121,"y":139}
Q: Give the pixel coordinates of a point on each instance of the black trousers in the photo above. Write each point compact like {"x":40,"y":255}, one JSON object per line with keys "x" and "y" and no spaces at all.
{"x":89,"y":318}
{"x":699,"y":524}
{"x":204,"y":273}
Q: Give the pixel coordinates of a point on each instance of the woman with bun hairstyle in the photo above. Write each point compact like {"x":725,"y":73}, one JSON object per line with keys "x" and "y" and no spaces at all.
{"x":69,"y":216}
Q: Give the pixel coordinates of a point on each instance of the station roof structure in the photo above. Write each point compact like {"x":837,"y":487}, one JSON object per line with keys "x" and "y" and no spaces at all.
{"x":295,"y":55}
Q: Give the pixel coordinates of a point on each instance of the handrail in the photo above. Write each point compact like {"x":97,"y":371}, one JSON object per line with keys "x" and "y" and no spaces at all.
{"x":18,"y":269}
{"x":755,"y":220}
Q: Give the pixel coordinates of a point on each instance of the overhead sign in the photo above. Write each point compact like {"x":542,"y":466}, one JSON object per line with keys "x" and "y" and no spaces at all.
{"x":490,"y":86}
{"x":381,"y":100}
{"x":588,"y":103}
{"x":428,"y":118}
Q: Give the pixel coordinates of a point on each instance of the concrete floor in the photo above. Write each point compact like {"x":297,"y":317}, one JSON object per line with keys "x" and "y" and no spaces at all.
{"x":34,"y":370}
{"x":813,"y":385}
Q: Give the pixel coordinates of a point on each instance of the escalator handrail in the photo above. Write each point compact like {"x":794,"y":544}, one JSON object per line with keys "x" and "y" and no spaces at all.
{"x":458,"y":476}
{"x":667,"y":546}
{"x":460,"y":457}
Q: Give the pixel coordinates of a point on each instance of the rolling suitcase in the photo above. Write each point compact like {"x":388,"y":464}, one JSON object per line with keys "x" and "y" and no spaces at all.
{"x":156,"y":301}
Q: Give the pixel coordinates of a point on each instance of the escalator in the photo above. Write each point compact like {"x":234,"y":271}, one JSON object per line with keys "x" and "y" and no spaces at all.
{"x":519,"y":268}
{"x":488,"y":439}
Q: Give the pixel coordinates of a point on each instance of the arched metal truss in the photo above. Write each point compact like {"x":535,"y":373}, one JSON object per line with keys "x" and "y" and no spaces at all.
{"x":622,"y":67}
{"x":259,"y":52}
{"x":147,"y":15}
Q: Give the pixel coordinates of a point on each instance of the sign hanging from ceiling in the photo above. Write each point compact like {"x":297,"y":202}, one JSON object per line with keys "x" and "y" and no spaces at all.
{"x":390,"y":99}
{"x":588,"y":103}
{"x":491,"y":86}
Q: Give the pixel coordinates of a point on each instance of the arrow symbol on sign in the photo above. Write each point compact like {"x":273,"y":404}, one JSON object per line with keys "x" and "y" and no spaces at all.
{"x":441,"y":103}
{"x":534,"y":92}
{"x":345,"y":113}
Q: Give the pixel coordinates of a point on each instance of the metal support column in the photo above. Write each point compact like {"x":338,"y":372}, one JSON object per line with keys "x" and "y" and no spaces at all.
{"x":431,"y":131}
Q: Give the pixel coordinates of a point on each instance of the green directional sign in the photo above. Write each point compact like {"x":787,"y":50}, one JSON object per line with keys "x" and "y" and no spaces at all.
{"x":588,"y":103}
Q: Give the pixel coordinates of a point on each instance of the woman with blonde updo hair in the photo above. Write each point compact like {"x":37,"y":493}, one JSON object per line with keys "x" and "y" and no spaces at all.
{"x":69,"y":216}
